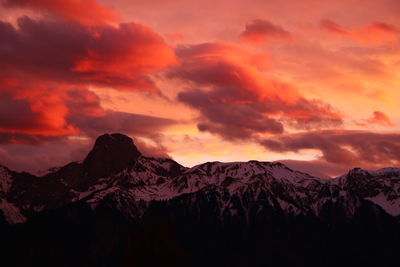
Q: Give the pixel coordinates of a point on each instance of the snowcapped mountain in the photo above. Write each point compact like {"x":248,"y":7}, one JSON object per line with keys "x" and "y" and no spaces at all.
{"x":381,"y":187}
{"x":116,"y":169}
{"x":119,"y":187}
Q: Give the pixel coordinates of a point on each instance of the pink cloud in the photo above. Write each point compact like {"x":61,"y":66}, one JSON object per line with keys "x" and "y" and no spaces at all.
{"x":121,"y":56}
{"x":36,"y":112}
{"x":87,"y":12}
{"x":380,"y":118}
{"x":236,"y":101}
{"x":36,"y":109}
{"x":175,"y":36}
{"x":375,"y":33}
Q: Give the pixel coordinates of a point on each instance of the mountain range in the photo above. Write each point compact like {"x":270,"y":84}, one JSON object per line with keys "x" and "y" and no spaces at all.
{"x":120,"y":208}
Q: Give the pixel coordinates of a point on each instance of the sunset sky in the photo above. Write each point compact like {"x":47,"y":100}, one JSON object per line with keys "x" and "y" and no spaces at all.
{"x":314,"y":84}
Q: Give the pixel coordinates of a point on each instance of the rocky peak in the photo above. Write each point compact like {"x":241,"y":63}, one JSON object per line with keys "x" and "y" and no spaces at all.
{"x":357,"y":176}
{"x":111,"y":154}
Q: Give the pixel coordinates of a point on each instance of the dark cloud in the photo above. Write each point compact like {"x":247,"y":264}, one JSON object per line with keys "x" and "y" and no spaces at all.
{"x":333,"y":27}
{"x":28,"y":139}
{"x":50,"y":153}
{"x":86,"y":114}
{"x":260,"y":30}
{"x":382,"y":26}
{"x":113,"y":121}
{"x":346,"y":148}
{"x":229,"y":119}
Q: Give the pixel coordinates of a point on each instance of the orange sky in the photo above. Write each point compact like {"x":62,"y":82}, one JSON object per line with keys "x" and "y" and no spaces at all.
{"x":312,"y":83}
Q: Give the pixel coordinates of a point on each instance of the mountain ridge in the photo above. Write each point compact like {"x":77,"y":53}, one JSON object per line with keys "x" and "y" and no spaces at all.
{"x":145,"y":211}
{"x":115,"y":162}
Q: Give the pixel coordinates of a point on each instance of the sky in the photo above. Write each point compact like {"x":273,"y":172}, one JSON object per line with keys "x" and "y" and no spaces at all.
{"x":311,"y":83}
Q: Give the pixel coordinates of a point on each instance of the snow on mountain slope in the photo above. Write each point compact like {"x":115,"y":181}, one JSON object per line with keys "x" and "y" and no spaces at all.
{"x":141,"y":182}
{"x":11,"y":213}
{"x":390,"y":206}
{"x":381,"y":187}
{"x":236,"y":188}
{"x":256,"y":183}
{"x":240,"y":186}
{"x":238,"y":183}
{"x":237,"y":174}
{"x":151,"y":171}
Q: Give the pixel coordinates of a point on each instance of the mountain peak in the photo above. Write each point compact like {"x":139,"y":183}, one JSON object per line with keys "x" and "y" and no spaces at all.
{"x":111,"y":139}
{"x":357,"y":170}
{"x":111,"y":153}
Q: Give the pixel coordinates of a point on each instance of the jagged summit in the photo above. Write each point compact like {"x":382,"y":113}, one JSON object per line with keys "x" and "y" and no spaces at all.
{"x":111,"y":153}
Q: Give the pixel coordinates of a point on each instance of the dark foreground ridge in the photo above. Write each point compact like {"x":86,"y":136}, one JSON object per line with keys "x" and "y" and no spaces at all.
{"x":120,"y":208}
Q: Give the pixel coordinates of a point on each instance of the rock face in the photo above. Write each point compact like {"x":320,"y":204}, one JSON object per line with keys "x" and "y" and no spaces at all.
{"x":110,"y":155}
{"x":120,"y":208}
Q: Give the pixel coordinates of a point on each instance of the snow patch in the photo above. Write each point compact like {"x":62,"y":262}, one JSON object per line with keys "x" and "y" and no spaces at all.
{"x":390,"y":206}
{"x":11,"y":213}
